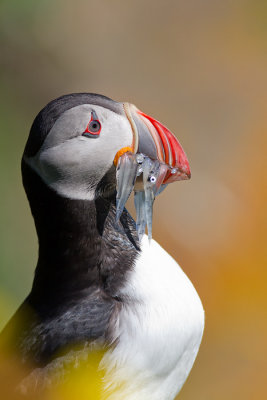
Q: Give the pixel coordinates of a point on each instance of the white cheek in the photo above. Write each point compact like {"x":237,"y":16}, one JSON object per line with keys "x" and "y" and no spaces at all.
{"x":82,"y":155}
{"x":69,"y":158}
{"x":73,"y":167}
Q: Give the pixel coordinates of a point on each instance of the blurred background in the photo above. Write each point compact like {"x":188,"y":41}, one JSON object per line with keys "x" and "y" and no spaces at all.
{"x":200,"y":68}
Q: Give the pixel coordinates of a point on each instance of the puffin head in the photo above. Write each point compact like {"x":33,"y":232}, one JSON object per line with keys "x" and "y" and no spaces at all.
{"x":78,"y":140}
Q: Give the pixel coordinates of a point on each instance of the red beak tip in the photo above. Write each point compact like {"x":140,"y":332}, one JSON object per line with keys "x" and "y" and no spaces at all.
{"x":186,"y":176}
{"x":187,"y":173}
{"x":170,"y":151}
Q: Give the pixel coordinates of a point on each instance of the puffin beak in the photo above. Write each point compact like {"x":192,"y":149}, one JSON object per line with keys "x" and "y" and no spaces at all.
{"x":154,"y":140}
{"x":154,"y":159}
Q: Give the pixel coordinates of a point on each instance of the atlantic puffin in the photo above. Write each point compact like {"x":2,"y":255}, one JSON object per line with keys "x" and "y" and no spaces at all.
{"x":100,"y":281}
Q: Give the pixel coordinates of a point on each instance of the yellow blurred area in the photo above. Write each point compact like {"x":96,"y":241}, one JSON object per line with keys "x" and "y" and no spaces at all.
{"x":200,"y":68}
{"x":83,"y":380}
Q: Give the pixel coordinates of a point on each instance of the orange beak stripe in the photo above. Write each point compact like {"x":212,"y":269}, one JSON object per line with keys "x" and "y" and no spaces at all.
{"x":120,"y":153}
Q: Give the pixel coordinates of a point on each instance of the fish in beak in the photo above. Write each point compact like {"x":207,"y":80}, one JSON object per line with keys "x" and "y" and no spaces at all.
{"x":154,"y":160}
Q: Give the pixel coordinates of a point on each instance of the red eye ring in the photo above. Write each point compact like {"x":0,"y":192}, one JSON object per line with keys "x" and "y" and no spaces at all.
{"x":93,"y":127}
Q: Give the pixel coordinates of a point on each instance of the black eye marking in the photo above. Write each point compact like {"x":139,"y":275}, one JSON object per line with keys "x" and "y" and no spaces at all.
{"x":93,"y":127}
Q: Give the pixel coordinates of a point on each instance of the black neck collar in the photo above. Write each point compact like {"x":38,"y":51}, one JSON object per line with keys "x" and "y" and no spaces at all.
{"x":80,"y":245}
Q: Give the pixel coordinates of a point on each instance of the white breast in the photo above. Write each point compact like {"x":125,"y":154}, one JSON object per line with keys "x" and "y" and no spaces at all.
{"x":158,"y":331}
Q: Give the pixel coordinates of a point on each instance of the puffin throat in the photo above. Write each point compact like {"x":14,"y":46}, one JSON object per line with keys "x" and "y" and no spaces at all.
{"x":80,"y":245}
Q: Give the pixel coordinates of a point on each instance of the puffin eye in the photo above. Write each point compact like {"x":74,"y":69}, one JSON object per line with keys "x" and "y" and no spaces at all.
{"x":93,"y":128}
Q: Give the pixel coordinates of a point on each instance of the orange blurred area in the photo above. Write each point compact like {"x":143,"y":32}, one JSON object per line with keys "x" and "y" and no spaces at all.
{"x":200,"y":69}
